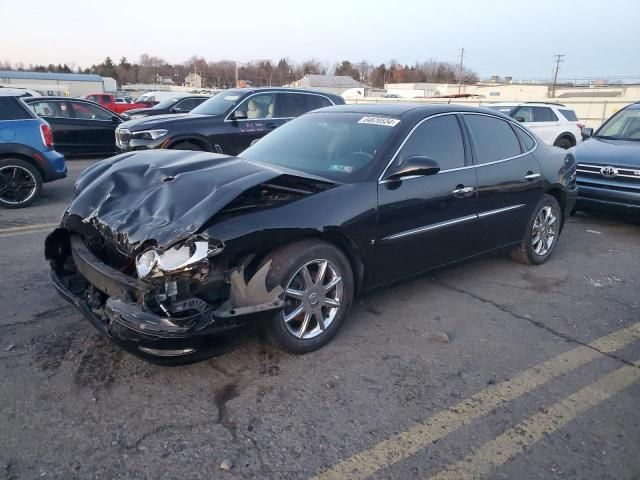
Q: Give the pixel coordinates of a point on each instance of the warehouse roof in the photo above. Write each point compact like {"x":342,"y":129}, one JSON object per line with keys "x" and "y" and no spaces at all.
{"x":68,"y":77}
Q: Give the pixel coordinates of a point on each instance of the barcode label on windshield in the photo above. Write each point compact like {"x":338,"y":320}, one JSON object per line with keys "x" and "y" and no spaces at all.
{"x":384,"y":121}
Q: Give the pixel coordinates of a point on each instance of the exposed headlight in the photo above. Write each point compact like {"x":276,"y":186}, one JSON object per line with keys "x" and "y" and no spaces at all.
{"x":146,"y":262}
{"x":149,"y":134}
{"x":182,"y":256}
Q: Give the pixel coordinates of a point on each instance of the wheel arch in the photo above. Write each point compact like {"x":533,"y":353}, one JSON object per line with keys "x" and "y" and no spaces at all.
{"x":197,"y":140}
{"x":25,"y":158}
{"x":560,"y":195}
{"x":567,"y":135}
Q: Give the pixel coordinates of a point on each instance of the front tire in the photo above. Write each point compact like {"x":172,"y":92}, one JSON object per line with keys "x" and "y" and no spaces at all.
{"x":542,"y":233}
{"x":20,"y":183}
{"x":318,"y":291}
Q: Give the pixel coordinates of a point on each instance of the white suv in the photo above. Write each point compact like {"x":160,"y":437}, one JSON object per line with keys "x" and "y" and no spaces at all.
{"x":554,"y":123}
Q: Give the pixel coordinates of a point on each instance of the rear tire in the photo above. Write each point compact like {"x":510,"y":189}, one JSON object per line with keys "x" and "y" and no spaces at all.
{"x":316,"y":302}
{"x":563,"y":142}
{"x":543,"y":230}
{"x":20,"y":183}
{"x":187,"y":146}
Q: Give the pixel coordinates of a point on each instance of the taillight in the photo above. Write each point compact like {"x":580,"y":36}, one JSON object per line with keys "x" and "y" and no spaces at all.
{"x":580,"y":126}
{"x":47,"y":135}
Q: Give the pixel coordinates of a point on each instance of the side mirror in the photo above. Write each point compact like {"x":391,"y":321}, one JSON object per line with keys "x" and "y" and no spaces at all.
{"x":415,"y":166}
{"x":520,"y":119}
{"x":239,"y":115}
{"x":587,"y":133}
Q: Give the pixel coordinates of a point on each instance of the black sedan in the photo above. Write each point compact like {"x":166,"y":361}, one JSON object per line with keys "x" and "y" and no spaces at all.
{"x":609,"y":163}
{"x":163,"y":251}
{"x":80,"y":127}
{"x":226,"y":123}
{"x":180,"y":104}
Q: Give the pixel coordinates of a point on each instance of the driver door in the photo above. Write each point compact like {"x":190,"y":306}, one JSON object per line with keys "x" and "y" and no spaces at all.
{"x":428,"y":221}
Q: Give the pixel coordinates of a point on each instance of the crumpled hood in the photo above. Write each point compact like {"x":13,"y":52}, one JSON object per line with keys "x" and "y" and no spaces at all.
{"x":623,"y":153}
{"x":161,"y":195}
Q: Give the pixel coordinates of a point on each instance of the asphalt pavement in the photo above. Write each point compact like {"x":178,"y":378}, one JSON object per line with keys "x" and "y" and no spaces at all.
{"x":490,"y":370}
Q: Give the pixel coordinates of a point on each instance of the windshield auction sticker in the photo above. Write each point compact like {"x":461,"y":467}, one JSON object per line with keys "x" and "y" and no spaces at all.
{"x":384,"y":121}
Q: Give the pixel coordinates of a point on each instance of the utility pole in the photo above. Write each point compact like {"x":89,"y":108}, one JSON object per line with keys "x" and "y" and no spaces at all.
{"x":236,"y":64}
{"x":558,"y":57}
{"x":460,"y":72}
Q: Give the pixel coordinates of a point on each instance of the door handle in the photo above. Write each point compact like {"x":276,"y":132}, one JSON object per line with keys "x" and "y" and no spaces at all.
{"x":461,"y":191}
{"x":531,"y":176}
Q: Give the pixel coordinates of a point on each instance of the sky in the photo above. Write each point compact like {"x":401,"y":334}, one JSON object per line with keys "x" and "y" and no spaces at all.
{"x":518,"y":38}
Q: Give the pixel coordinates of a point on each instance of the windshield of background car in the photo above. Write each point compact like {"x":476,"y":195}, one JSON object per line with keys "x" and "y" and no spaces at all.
{"x":506,"y":109}
{"x":338,"y":146}
{"x":166,"y":103}
{"x":624,"y":125}
{"x":220,"y":103}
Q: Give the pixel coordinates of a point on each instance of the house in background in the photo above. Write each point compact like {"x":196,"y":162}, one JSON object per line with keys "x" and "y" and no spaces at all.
{"x":193,"y":80}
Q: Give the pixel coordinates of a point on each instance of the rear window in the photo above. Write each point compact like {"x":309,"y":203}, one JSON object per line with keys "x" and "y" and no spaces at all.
{"x":494,"y":138}
{"x":569,"y":115}
{"x":11,"y":109}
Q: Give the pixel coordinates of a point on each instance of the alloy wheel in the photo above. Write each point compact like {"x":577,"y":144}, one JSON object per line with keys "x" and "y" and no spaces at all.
{"x":544,"y":231}
{"x":313,"y":297}
{"x":17,"y":184}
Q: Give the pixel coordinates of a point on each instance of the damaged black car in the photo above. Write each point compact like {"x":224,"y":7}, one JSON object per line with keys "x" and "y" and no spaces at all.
{"x":167,"y":252}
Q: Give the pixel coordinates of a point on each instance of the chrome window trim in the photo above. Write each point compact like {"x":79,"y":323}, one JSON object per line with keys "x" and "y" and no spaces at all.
{"x":535,"y":144}
{"x":272,"y":118}
{"x":447,"y":223}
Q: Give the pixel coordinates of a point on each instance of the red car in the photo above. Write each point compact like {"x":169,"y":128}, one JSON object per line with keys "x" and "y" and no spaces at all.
{"x":109,"y":101}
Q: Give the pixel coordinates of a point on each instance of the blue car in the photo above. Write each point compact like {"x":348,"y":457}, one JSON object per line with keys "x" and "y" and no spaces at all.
{"x":27,"y":155}
{"x":609,"y":163}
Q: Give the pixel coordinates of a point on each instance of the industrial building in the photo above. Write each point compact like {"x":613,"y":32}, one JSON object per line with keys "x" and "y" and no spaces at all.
{"x":68,"y":84}
{"x":336,"y":84}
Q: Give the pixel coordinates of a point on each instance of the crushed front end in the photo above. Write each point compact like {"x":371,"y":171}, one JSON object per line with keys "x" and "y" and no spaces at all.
{"x":176,"y":302}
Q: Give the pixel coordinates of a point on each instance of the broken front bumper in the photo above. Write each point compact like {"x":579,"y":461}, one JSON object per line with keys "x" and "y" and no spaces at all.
{"x":122,"y":313}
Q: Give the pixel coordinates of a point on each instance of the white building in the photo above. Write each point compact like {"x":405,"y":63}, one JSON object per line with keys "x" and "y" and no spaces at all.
{"x":46,"y":83}
{"x":336,"y":84}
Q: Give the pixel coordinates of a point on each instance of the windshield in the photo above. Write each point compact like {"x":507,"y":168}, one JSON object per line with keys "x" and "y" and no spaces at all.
{"x":338,"y":146}
{"x":624,"y":125}
{"x":167,"y":103}
{"x":220,"y":103}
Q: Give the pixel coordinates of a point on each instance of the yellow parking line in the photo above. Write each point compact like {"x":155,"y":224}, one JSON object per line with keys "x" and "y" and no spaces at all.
{"x":406,"y":443}
{"x":13,"y":231}
{"x":512,"y":442}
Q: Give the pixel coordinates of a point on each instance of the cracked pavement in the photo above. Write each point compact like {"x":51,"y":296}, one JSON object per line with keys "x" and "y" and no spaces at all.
{"x":74,"y":406}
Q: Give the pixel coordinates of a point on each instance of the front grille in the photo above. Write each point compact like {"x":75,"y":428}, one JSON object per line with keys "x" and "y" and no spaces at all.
{"x":609,"y":172}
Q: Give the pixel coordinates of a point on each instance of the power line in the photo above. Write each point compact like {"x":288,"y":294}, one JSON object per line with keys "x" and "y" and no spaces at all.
{"x":558,"y":57}
{"x":460,"y":73}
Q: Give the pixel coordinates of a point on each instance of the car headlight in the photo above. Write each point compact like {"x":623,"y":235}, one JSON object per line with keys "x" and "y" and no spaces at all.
{"x":146,"y":262}
{"x":149,"y":134}
{"x":180,"y":257}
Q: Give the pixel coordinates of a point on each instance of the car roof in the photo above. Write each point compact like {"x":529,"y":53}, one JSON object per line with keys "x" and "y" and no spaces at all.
{"x":404,"y":109}
{"x":40,"y":99}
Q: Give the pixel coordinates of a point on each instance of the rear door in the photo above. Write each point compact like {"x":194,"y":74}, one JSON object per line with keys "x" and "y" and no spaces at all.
{"x":541,"y":120}
{"x":95,"y":126}
{"x":261,"y":119}
{"x":510,"y":180}
{"x":428,"y":221}
{"x":59,"y":116}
